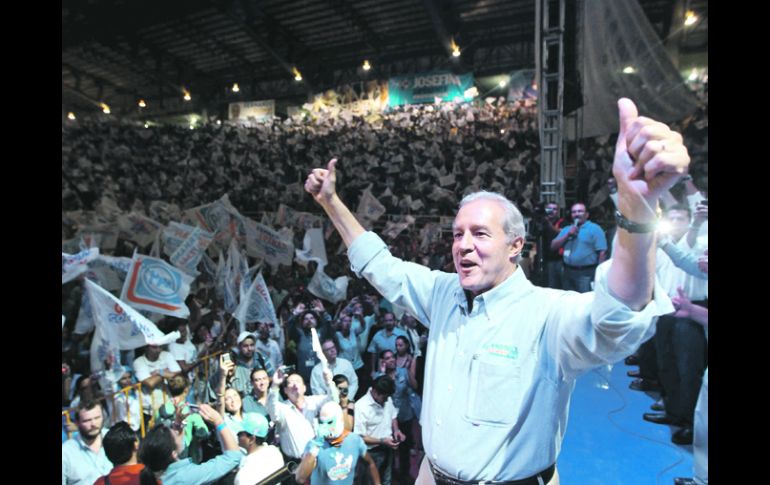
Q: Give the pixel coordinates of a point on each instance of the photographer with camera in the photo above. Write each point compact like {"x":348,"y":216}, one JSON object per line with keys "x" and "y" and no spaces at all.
{"x":246,"y":359}
{"x":547,"y":225}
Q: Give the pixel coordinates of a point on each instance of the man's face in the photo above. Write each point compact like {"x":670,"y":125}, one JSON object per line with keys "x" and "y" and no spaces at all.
{"x":679,"y":221}
{"x":125,"y":380}
{"x":379,"y":398}
{"x":295,"y":387}
{"x":153,"y":352}
{"x":260,"y":381}
{"x":389,"y":321}
{"x":390,"y":360}
{"x":264,"y":330}
{"x":309,"y":321}
{"x":579,"y":212}
{"x":246,"y":348}
{"x":551,"y":211}
{"x":330,"y":351}
{"x":90,"y":422}
{"x":244,"y":440}
{"x":482,"y":257}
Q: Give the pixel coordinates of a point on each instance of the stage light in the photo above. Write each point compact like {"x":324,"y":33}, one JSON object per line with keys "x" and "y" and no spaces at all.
{"x":367,"y":66}
{"x":105,"y":108}
{"x":690,"y":18}
{"x":297,"y":75}
{"x":455,"y":49}
{"x":629,"y":70}
{"x":187,"y":96}
{"x":236,"y":88}
{"x":142,"y":104}
{"x":71,"y":115}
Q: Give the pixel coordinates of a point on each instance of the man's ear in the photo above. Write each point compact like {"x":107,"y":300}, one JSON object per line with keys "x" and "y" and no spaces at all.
{"x":516,"y":247}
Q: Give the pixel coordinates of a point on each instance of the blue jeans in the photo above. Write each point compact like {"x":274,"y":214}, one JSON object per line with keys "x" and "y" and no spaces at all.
{"x":578,"y":279}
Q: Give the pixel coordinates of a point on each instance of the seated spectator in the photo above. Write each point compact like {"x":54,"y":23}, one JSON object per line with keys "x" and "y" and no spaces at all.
{"x":155,"y":365}
{"x":121,"y":445}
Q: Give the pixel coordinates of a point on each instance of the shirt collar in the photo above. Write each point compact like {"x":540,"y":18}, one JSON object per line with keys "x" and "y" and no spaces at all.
{"x":495,"y":303}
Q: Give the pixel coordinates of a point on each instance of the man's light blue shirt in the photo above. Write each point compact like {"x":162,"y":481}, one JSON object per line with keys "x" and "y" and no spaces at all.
{"x":80,"y":465}
{"x":496,"y":401}
{"x":381,"y":341}
{"x":184,"y":472}
{"x":584,"y":249}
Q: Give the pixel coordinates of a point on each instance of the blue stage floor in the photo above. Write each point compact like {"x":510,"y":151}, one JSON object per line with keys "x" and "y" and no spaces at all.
{"x":608,"y":442}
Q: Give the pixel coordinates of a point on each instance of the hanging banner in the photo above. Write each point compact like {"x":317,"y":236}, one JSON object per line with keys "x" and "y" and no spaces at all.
{"x":252,"y":110}
{"x":427,"y":87}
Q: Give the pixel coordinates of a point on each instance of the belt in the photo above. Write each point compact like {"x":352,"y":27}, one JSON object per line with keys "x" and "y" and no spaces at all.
{"x":540,"y":478}
{"x":588,"y":266}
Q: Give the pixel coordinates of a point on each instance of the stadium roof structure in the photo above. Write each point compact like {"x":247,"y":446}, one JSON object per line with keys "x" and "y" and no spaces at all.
{"x":118,"y":52}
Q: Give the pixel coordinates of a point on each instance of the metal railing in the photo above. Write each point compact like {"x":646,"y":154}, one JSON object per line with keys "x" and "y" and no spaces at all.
{"x":137,"y":389}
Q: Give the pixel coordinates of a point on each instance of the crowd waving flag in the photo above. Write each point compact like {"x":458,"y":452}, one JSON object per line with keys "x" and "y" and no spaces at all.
{"x":119,"y":327}
{"x":73,"y":265}
{"x":154,"y":285}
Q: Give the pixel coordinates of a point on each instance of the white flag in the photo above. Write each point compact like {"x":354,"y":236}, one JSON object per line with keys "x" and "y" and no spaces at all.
{"x":369,"y":208}
{"x":73,"y":265}
{"x":156,"y":286}
{"x":323,"y":286}
{"x":189,"y":253}
{"x":314,"y":248}
{"x":255,"y":304}
{"x":119,"y":327}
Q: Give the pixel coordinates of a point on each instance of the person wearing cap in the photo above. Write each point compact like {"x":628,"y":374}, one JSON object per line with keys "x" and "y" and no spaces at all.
{"x":246,"y":359}
{"x":262,"y":459}
{"x":333,"y":455}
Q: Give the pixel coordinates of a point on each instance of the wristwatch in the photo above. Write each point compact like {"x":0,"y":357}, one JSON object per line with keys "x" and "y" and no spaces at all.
{"x":634,"y":227}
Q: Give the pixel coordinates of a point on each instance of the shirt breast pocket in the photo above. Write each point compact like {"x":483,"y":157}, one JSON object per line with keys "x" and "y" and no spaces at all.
{"x":495,"y":391}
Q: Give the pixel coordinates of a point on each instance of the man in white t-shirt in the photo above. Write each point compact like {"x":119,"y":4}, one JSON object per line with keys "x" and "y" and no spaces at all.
{"x":155,"y":365}
{"x":262,"y":459}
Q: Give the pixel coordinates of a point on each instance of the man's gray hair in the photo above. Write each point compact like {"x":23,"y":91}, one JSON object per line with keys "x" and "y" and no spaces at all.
{"x":513,"y":224}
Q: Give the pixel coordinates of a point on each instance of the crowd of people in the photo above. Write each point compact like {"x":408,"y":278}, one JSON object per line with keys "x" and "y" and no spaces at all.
{"x":269,"y":399}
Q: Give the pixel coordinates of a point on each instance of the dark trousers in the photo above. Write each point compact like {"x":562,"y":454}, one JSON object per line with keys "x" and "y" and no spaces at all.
{"x":682,"y":357}
{"x":553,"y":270}
{"x":648,"y":360}
{"x":383,"y":458}
{"x":404,"y":448}
{"x":578,"y":279}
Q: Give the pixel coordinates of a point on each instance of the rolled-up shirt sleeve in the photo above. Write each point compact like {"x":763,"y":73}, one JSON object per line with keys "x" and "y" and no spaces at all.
{"x":406,"y":284}
{"x":590,"y":329}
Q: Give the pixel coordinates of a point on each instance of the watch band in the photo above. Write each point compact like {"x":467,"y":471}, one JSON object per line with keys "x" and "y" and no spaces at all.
{"x":634,"y":227}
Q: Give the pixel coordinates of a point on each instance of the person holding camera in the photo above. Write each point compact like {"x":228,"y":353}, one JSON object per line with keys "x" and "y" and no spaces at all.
{"x":550,"y":225}
{"x":246,"y":359}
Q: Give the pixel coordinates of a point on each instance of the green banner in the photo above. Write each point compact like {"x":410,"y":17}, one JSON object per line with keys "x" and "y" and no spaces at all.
{"x":426,"y":87}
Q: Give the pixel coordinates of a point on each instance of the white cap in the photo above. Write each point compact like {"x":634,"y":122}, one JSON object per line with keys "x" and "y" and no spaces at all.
{"x":244,"y":335}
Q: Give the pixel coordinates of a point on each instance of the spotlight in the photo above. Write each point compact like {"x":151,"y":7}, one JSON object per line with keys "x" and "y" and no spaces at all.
{"x":367,"y":66}
{"x":142,"y":104}
{"x":690,"y":18}
{"x":236,"y":88}
{"x":71,"y":115}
